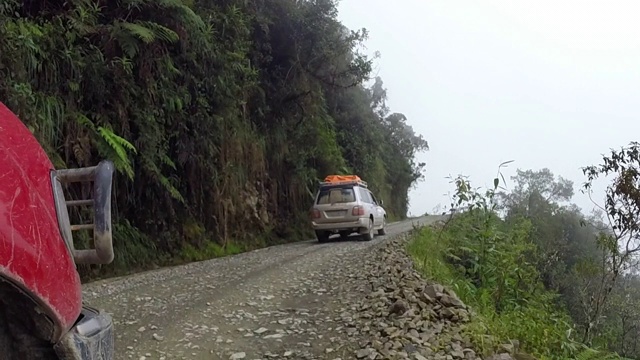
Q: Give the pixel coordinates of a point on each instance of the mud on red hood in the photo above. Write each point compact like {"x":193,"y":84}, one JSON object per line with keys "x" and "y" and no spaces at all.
{"x":33,"y":254}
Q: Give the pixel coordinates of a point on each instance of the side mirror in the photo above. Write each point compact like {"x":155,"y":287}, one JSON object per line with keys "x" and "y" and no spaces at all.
{"x":381,"y":202}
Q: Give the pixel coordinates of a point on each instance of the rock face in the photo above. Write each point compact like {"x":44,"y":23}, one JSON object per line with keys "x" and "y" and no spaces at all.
{"x":404,"y":316}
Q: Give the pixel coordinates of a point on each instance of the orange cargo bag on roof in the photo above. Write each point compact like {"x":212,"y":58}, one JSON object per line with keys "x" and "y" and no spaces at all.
{"x":338,"y":178}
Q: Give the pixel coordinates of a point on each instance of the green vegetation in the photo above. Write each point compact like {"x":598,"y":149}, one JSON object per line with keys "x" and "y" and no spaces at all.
{"x":536,"y":270}
{"x":220,"y":116}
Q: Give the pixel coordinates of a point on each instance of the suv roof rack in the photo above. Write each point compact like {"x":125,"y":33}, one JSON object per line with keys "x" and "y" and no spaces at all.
{"x":343,"y":180}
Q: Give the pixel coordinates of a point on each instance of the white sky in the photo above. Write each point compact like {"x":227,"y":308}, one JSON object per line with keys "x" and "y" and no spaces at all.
{"x":547,"y":83}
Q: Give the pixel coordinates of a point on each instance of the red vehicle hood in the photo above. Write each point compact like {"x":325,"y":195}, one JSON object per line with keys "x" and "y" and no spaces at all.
{"x":33,"y":254}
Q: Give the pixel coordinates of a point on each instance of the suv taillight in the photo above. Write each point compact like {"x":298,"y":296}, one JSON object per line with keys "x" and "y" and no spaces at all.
{"x":357,"y":211}
{"x":315,"y":214}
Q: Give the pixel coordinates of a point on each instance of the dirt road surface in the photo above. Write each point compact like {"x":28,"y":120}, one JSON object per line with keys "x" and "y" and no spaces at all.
{"x":285,"y":301}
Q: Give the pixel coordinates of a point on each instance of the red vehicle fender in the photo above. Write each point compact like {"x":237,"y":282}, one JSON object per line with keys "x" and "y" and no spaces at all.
{"x":33,"y":253}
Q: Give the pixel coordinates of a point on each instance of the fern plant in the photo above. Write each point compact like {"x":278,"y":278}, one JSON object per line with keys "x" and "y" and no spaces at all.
{"x":129,"y":34}
{"x":111,"y":145}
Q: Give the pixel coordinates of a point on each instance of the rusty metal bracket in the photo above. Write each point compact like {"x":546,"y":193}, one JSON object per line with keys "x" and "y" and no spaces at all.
{"x":102,"y":178}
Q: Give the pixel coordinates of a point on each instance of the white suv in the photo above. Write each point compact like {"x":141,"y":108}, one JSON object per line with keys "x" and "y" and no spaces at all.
{"x":345,"y":205}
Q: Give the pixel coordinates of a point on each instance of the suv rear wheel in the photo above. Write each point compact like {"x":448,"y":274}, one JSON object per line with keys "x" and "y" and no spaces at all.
{"x":322,"y":236}
{"x":382,"y":231}
{"x":368,"y":236}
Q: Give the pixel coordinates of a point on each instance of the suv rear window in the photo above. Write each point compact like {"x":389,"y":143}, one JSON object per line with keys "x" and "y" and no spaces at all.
{"x":336,"y":195}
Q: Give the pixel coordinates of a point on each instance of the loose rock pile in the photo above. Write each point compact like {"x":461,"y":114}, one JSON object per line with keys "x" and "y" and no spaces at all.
{"x":405,"y":317}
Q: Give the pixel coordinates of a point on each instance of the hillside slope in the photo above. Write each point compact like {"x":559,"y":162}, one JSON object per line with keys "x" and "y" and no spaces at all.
{"x":219,"y":115}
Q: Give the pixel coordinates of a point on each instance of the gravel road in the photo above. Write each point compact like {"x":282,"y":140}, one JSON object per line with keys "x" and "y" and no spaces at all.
{"x":286,"y":301}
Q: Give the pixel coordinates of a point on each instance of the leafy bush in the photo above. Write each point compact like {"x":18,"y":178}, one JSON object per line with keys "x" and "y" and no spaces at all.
{"x":491,"y":264}
{"x":510,"y":304}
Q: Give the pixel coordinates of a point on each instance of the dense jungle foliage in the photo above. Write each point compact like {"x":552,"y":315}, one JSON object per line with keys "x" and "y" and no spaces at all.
{"x":221,"y":116}
{"x":565,"y":285}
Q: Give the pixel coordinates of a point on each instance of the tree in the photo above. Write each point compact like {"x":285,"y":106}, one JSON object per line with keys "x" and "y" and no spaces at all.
{"x":536,"y":188}
{"x":620,"y":242}
{"x":538,"y":196}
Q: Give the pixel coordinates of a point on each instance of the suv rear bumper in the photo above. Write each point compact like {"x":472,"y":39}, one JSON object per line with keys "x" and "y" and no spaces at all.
{"x":90,"y":339}
{"x":348,"y":225}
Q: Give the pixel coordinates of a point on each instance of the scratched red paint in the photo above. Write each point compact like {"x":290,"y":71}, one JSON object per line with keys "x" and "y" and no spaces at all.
{"x":32,"y":251}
